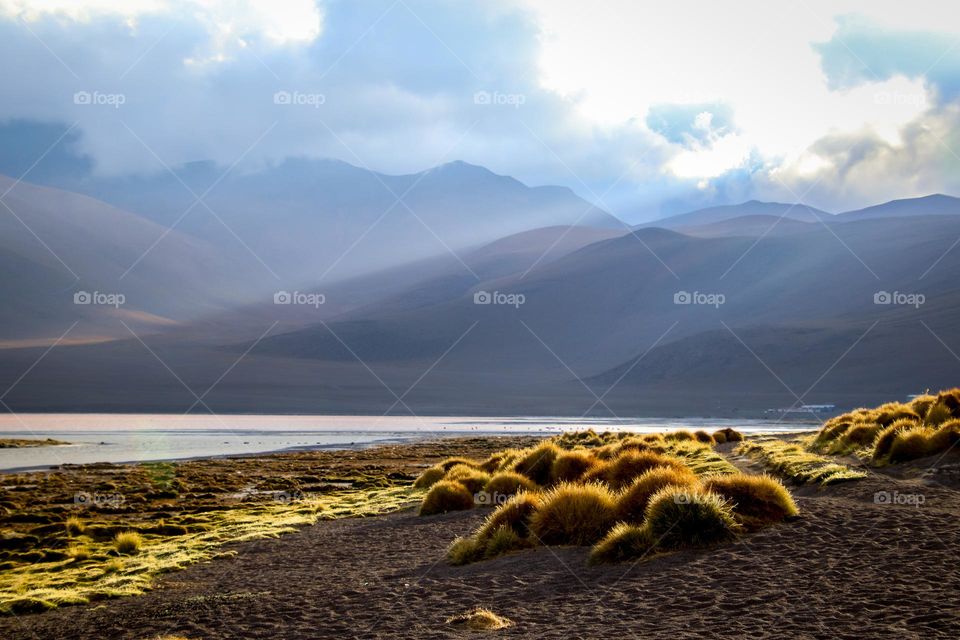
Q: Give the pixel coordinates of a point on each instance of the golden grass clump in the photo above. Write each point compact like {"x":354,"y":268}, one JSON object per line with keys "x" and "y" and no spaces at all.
{"x":632,"y":503}
{"x":623,"y":542}
{"x":127,"y":542}
{"x":884,"y":439}
{"x":479,"y":619}
{"x":503,"y":540}
{"x":912,"y":443}
{"x":757,"y":500}
{"x":729,"y":435}
{"x":890,"y":412}
{"x":703,"y":436}
{"x":537,"y":463}
{"x":861,"y":434}
{"x":680,"y":434}
{"x":450,"y":463}
{"x":574,"y":514}
{"x":472,"y":478}
{"x":621,"y":471}
{"x":682,"y":517}
{"x":429,"y":477}
{"x":719,"y":437}
{"x":74,"y":526}
{"x":444,"y":496}
{"x":947,"y":435}
{"x":571,"y":466}
{"x":515,"y":513}
{"x":464,"y":550}
{"x":922,"y":403}
{"x":508,"y":483}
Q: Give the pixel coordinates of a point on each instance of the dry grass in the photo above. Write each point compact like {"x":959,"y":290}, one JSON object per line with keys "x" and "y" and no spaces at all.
{"x":756,"y":500}
{"x":471,"y":477}
{"x":430,"y":477}
{"x":682,"y":517}
{"x":623,"y":542}
{"x":479,"y":619}
{"x":796,"y":463}
{"x":728,"y":435}
{"x":574,"y":514}
{"x":621,"y":471}
{"x":632,"y":503}
{"x":537,"y":463}
{"x":74,"y":526}
{"x":515,"y":513}
{"x":445,"y":496}
{"x":127,"y":543}
{"x":508,"y":483}
{"x":571,"y":466}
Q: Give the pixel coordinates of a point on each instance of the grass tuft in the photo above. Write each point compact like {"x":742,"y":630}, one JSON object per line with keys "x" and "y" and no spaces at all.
{"x":681,"y":517}
{"x":623,"y":542}
{"x":429,"y":477}
{"x":574,"y":514}
{"x":479,"y":619}
{"x":571,"y":466}
{"x":508,"y":483}
{"x":756,"y":500}
{"x":127,"y":543}
{"x":632,"y":503}
{"x":445,"y":496}
{"x":537,"y":463}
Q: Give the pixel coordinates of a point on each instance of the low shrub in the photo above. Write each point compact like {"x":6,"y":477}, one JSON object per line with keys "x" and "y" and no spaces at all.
{"x":623,"y":542}
{"x":472,"y":478}
{"x":503,"y":540}
{"x":632,"y":503}
{"x":127,"y":542}
{"x":680,"y":517}
{"x":703,"y":436}
{"x":429,"y":477}
{"x":464,"y":550}
{"x":681,"y":434}
{"x":74,"y":526}
{"x":514,"y":513}
{"x":756,"y":500}
{"x":450,"y":463}
{"x":537,"y":463}
{"x":571,"y":466}
{"x":444,"y":496}
{"x":729,"y":435}
{"x":621,"y":471}
{"x":910,"y":444}
{"x":574,"y":514}
{"x":884,"y":439}
{"x":508,"y":483}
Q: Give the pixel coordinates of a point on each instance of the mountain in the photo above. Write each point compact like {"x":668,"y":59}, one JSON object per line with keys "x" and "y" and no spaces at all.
{"x":54,"y":243}
{"x":932,"y":205}
{"x":711,"y":215}
{"x":305,"y":221}
{"x":754,"y":226}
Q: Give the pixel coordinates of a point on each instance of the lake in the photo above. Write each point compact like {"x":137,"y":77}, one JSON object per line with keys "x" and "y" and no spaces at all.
{"x":151,"y":437}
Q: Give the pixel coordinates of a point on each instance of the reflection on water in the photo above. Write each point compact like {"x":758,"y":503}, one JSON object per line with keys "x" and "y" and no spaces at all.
{"x":128,"y":438}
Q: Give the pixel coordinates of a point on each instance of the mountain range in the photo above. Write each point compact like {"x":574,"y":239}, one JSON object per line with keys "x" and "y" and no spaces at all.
{"x":317,"y":286}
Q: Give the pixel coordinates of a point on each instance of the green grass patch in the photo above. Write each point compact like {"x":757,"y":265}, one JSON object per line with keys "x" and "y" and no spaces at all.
{"x":793,"y":461}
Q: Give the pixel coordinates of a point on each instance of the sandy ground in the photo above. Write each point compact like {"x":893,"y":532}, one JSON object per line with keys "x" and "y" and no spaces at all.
{"x":848,"y":568}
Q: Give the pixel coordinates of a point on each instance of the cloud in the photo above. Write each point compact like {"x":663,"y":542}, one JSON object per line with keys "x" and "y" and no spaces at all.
{"x":623,"y":106}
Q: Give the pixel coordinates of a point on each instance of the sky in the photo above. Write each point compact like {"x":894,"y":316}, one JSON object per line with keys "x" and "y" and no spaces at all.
{"x":644,"y":108}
